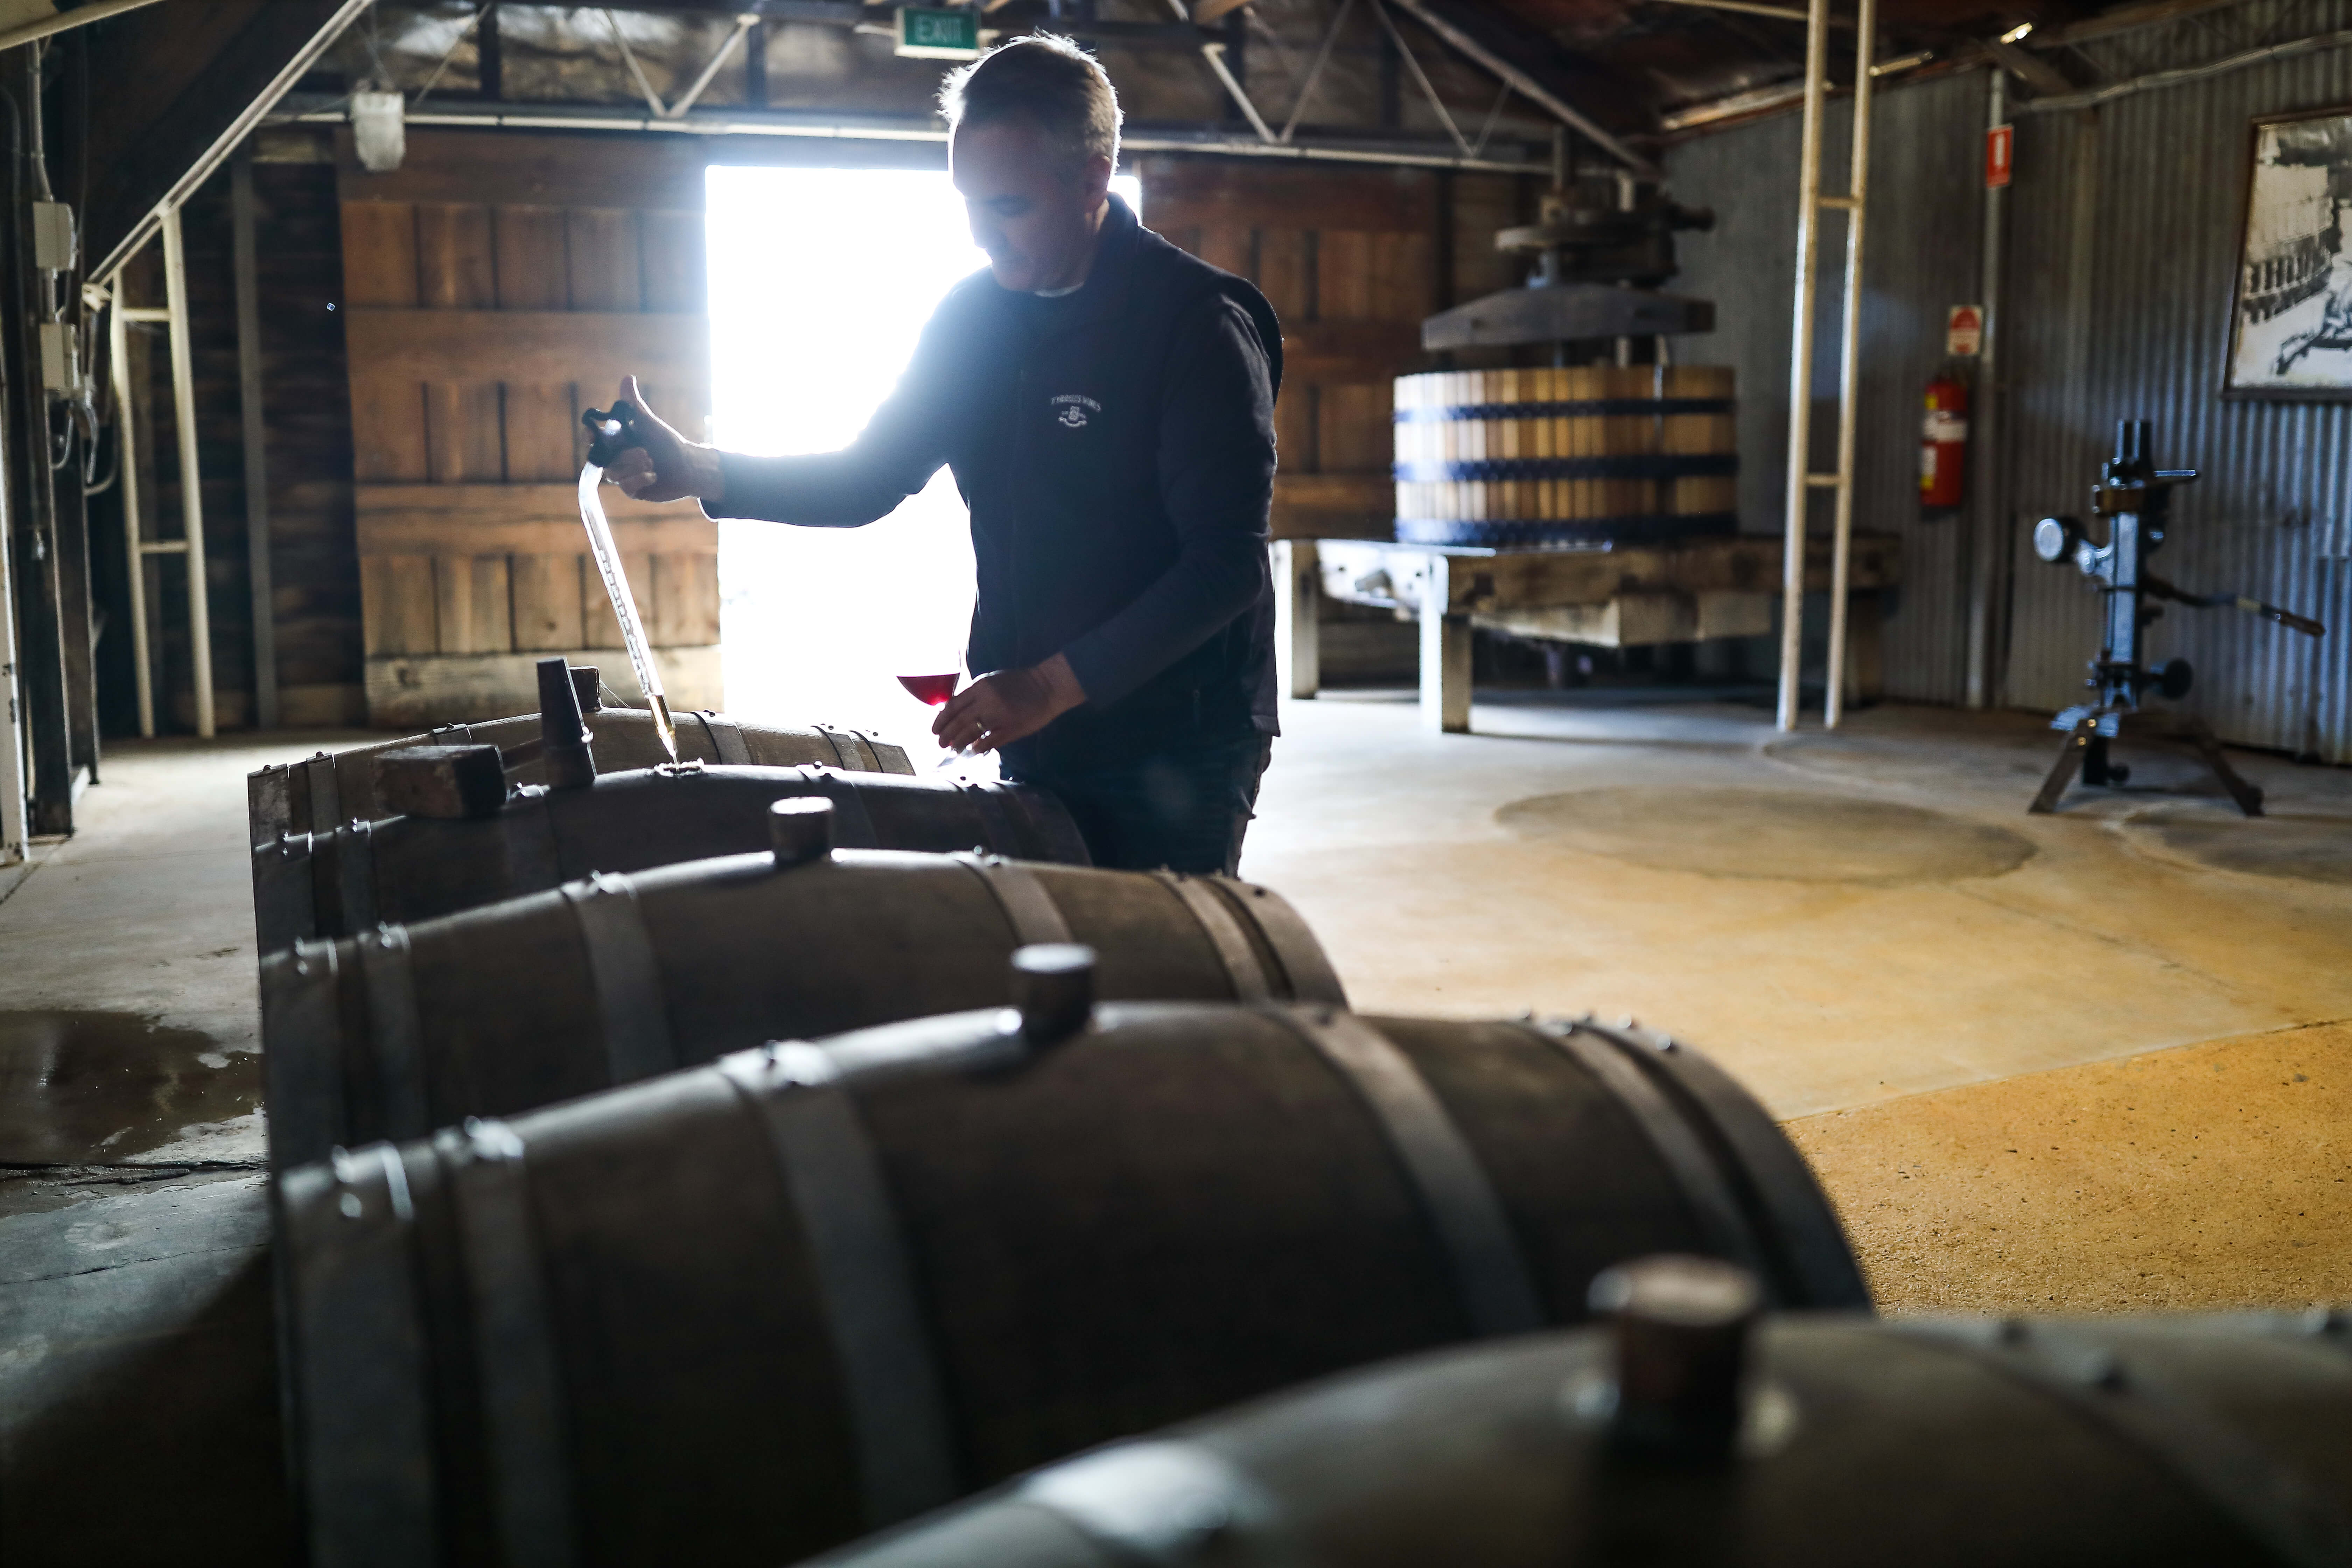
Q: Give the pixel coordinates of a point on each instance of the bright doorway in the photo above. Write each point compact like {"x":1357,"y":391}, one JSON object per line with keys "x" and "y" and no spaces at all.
{"x":821,"y":281}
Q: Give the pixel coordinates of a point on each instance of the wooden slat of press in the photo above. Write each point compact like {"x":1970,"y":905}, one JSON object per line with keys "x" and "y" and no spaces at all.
{"x":396,"y":605}
{"x":605,"y":269}
{"x":387,"y":427}
{"x":670,"y":243}
{"x":684,"y":594}
{"x":379,"y":254}
{"x":456,"y":265}
{"x":475,"y":610}
{"x":532,"y":272}
{"x":547,"y":601}
{"x":671,"y":348}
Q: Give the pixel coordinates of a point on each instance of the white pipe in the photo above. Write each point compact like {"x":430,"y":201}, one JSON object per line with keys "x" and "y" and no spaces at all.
{"x":127,"y":468}
{"x":192,"y":499}
{"x":97,"y":11}
{"x":1850,"y":364}
{"x":1800,"y":365}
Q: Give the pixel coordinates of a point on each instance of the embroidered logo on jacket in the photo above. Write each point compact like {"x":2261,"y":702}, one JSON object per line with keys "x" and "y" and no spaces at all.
{"x":1074,"y":408}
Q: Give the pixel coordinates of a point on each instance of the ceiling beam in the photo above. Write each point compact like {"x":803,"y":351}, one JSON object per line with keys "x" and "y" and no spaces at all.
{"x":1510,"y":52}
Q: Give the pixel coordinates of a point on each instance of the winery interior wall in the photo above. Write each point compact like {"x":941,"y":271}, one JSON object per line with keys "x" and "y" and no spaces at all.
{"x":2123,"y":253}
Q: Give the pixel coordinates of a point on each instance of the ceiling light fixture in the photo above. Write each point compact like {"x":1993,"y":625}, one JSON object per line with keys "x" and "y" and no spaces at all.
{"x":2017,"y":34}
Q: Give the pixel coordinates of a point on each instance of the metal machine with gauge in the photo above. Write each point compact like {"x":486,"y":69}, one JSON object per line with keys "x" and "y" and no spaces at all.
{"x":2133,"y":496}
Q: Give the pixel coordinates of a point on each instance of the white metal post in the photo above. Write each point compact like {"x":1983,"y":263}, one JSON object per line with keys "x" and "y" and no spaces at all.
{"x":1988,"y":559}
{"x":134,"y":549}
{"x":1801,"y":361}
{"x":192,"y":504}
{"x":1849,"y":364}
{"x":12,"y":826}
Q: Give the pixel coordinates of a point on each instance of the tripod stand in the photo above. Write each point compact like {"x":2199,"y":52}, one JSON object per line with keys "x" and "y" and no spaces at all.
{"x":2134,"y":495}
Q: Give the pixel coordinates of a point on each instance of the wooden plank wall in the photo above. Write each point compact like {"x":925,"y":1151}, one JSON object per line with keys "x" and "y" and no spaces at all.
{"x":495,"y":286}
{"x":1351,"y":259}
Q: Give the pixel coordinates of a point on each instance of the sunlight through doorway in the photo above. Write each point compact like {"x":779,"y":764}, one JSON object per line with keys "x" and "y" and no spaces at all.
{"x":821,"y":281}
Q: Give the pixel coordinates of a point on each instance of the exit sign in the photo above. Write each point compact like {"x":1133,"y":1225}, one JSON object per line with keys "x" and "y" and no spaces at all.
{"x":927,"y":35}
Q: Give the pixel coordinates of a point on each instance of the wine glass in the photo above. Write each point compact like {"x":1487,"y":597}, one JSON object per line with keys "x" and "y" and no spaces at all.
{"x":933,"y":690}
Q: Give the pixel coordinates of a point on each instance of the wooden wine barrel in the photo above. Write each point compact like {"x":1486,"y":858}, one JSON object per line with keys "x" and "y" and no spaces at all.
{"x":517,"y":1005}
{"x":140,"y":1425}
{"x":324,"y":792}
{"x":737,"y":1314}
{"x":1596,"y":454}
{"x":351,"y":879}
{"x":2109,"y":1443}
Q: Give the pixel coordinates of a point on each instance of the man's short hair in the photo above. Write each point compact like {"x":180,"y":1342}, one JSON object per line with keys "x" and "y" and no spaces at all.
{"x":1044,"y":78}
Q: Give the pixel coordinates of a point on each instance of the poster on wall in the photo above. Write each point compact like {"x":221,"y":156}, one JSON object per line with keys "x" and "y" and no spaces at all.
{"x":2291,"y":332}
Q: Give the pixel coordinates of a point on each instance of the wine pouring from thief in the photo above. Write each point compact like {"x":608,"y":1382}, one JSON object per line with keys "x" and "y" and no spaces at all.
{"x":615,"y":431}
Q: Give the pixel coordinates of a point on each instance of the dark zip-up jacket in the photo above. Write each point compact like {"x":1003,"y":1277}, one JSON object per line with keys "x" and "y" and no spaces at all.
{"x":1116,"y":448}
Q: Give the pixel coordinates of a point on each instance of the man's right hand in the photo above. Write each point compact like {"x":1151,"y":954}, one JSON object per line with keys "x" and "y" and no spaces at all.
{"x":667,"y":467}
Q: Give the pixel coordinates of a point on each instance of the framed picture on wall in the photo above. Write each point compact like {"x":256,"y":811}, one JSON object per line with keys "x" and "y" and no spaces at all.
{"x":2291,"y":329}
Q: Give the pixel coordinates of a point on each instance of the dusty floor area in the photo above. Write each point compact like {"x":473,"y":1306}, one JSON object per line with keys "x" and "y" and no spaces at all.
{"x":2205,"y":1176}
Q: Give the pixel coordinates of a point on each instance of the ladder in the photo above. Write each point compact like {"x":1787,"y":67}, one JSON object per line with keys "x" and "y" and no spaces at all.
{"x":1802,"y":481}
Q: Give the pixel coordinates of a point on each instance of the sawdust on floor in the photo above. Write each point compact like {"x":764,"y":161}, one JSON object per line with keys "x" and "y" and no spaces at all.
{"x":2206,"y":1177}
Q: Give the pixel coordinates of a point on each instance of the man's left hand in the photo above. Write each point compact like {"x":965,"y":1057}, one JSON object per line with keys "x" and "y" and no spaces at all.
{"x":1008,"y":706}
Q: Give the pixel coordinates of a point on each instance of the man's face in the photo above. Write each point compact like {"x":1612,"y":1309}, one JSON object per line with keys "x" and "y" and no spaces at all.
{"x":1030,"y":210}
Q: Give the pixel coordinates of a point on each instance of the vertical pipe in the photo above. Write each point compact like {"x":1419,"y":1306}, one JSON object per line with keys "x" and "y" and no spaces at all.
{"x":252,"y":421}
{"x":12,"y":758}
{"x":127,"y":465}
{"x":1988,"y":558}
{"x":1849,"y":364}
{"x":191,"y":501}
{"x":1801,"y":362}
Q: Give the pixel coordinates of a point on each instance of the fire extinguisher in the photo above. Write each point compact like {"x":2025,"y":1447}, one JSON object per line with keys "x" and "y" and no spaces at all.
{"x":1944,"y":445}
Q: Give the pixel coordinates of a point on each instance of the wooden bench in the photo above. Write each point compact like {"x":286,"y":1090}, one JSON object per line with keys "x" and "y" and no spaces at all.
{"x":1638,"y":596}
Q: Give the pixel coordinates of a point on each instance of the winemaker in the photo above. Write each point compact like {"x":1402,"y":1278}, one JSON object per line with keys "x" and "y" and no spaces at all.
{"x":1107,"y":404}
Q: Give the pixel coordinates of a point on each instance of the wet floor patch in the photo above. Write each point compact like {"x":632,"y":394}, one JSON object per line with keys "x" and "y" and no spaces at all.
{"x":2305,"y":848}
{"x":98,"y":1088}
{"x":1768,"y":835}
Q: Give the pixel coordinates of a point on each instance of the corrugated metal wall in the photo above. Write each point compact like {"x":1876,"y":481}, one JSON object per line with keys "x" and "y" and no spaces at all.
{"x":2122,"y":258}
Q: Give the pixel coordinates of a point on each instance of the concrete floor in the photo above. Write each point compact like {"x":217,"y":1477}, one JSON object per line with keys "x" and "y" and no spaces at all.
{"x":1867,"y":928}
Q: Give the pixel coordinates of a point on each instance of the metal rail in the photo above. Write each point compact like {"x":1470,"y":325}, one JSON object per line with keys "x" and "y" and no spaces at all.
{"x":1801,"y":480}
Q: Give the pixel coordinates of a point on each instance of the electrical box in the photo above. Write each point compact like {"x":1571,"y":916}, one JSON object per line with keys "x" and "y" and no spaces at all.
{"x":931,"y":35}
{"x":53,"y":237}
{"x":61,"y":359}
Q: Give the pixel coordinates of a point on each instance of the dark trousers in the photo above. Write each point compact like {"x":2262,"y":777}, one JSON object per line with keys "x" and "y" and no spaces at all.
{"x":1186,"y":810}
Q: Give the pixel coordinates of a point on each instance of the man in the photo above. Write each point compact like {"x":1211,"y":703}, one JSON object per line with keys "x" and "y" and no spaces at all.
{"x":1107,"y":404}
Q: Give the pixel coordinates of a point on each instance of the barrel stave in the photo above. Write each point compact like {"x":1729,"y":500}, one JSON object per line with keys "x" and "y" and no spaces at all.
{"x":1238,"y":1210}
{"x":702,"y":1402}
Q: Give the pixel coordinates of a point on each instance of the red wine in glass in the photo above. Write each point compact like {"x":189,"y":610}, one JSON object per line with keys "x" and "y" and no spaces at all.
{"x":934,"y":690}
